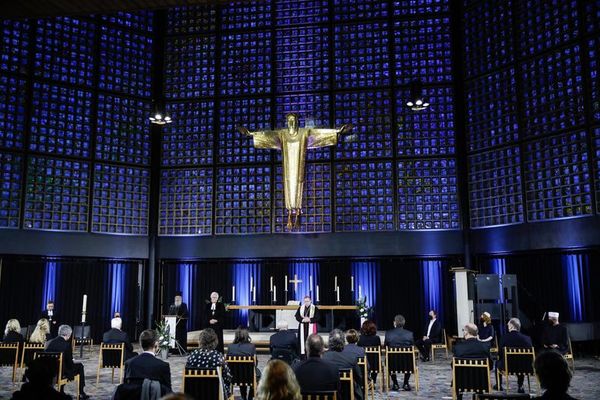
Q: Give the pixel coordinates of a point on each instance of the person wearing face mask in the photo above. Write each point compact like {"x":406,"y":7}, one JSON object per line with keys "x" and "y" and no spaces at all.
{"x":180,"y":309}
{"x":432,"y":334}
{"x":555,"y":335}
{"x":214,"y":316}
{"x":486,"y":329}
{"x":308,"y":316}
{"x":50,"y":314}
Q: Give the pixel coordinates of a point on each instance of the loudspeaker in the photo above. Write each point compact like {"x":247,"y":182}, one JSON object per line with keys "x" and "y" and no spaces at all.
{"x":494,"y":309}
{"x":508,"y":282}
{"x":488,"y":287}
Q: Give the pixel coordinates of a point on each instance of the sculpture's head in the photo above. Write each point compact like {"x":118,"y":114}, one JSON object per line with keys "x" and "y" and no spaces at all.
{"x":292,"y":121}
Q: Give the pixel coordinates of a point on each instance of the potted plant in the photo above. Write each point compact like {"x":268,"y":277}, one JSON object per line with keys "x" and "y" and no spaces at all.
{"x":362,"y":309}
{"x":164,"y":339}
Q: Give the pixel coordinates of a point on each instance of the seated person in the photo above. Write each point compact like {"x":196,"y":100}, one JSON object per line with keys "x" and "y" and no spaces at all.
{"x":284,"y":344}
{"x":39,"y":376}
{"x":115,"y":336}
{"x":146,"y":365}
{"x":12,"y":333}
{"x":514,"y":338}
{"x":399,"y":337}
{"x":555,"y":335}
{"x":431,"y":334}
{"x":315,"y":374}
{"x":242,"y":346}
{"x":369,"y":338}
{"x":554,"y":374}
{"x":62,"y":344}
{"x":351,"y":347}
{"x":471,"y":347}
{"x":41,"y":333}
{"x":336,"y":356}
{"x":278,"y":383}
{"x":486,"y":329}
{"x":206,"y":356}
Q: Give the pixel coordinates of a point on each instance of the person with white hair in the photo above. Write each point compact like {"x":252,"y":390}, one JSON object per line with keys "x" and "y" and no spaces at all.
{"x":555,"y":335}
{"x":214,"y":317}
{"x":12,"y":333}
{"x":116,"y":335}
{"x":181,"y":311}
{"x":284,"y":343}
{"x":62,"y":344}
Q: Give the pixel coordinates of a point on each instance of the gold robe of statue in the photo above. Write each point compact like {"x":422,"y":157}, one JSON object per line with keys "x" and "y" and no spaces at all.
{"x":293,"y":142}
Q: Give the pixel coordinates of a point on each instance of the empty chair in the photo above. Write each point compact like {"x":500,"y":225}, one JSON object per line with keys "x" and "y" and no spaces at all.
{"x":111,"y":356}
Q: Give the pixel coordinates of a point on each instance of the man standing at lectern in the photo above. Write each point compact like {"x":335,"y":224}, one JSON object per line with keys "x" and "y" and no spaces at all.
{"x":308,"y":316}
{"x":214,"y":316}
{"x":180,"y":309}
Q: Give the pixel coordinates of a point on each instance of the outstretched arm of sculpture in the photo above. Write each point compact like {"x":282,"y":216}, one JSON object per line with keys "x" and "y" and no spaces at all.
{"x":262,"y":139}
{"x":326,"y":137}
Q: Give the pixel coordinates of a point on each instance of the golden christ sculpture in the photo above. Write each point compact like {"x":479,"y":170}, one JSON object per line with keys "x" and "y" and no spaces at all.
{"x":293,"y":143}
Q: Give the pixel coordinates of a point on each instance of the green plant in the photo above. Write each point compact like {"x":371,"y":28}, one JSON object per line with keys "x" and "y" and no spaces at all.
{"x":164,"y":335}
{"x":362,"y":309}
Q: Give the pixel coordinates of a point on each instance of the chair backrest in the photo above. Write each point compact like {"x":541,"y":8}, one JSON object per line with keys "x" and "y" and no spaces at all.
{"x":23,"y":332}
{"x":519,"y":361}
{"x":29,"y":350}
{"x":203,"y":383}
{"x":373,"y":355}
{"x":79,"y":333}
{"x":346,"y":384}
{"x":362,"y":363}
{"x":30,"y":329}
{"x":332,"y":395}
{"x":58,"y":359}
{"x":401,"y":359}
{"x":471,"y":375}
{"x":112,"y":355}
{"x":243,"y":370}
{"x":284,"y":355}
{"x":497,"y":396}
{"x":9,"y":354}
{"x":444,"y":337}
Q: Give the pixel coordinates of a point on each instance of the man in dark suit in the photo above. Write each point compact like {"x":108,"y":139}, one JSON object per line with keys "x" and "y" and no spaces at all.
{"x":431,"y":334}
{"x":471,"y":347}
{"x":284,"y":343}
{"x":115,"y":335}
{"x":62,"y":344}
{"x":336,"y":356}
{"x":315,"y":374}
{"x":514,"y":338}
{"x":146,"y":365}
{"x":214,"y":317}
{"x":180,"y":309}
{"x":50,"y":314}
{"x":399,"y":337}
{"x":351,"y":347}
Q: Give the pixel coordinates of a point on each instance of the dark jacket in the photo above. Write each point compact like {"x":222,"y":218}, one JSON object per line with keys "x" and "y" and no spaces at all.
{"x":284,"y":340}
{"x":60,"y":345}
{"x":13,"y":337}
{"x":316,"y":375}
{"x":32,"y":392}
{"x":347,"y":361}
{"x":511,"y":339}
{"x":472,"y":348}
{"x":354,"y":349}
{"x":369,"y":341}
{"x":52,"y":320}
{"x":436,"y":331}
{"x":241,"y":349}
{"x":148,"y":366}
{"x":556,"y":334}
{"x":115,"y":336}
{"x":399,"y":337}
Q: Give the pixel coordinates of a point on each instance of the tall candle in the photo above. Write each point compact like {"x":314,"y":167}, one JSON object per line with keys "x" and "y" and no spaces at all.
{"x":286,"y":284}
{"x":271,"y":285}
{"x":274,"y":293}
{"x":83,"y":318}
{"x":359,"y":292}
{"x":310,"y":286}
{"x":84,"y":307}
{"x":254,"y":294}
{"x":233,"y":293}
{"x":251,"y":282}
{"x":317,"y":293}
{"x":337,"y":291}
{"x":352,"y":283}
{"x":335,"y":283}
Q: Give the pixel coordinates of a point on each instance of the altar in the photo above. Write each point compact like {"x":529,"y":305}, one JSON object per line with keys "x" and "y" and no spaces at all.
{"x":263,"y":318}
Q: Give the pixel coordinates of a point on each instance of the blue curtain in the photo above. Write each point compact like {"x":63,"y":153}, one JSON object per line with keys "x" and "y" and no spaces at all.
{"x":366,"y":275}
{"x":49,"y":283}
{"x":498,"y":267}
{"x":242,"y":271}
{"x":432,"y":286}
{"x":117,"y":279}
{"x":304,"y":270}
{"x":574,"y":272}
{"x":185,"y":280}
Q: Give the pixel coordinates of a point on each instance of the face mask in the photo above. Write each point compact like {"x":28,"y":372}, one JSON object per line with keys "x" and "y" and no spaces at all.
{"x":431,"y":317}
{"x":482,"y":320}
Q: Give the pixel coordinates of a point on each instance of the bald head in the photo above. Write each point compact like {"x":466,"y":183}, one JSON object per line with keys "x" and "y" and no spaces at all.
{"x":471,"y":331}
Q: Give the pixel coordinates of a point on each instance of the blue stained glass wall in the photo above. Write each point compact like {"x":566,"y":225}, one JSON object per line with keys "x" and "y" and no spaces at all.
{"x":596,"y":141}
{"x":191,"y":19}
{"x":292,"y":12}
{"x":243,"y":15}
{"x":14,"y":49}
{"x":412,"y":7}
{"x":190,"y":67}
{"x":12,"y":111}
{"x":344,"y":10}
{"x":139,"y":20}
{"x":10,"y":189}
{"x":594,"y":68}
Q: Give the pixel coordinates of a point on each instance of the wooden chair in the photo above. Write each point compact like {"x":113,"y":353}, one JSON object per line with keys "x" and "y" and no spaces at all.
{"x":373,"y":355}
{"x":82,"y":337}
{"x":440,"y":346}
{"x":401,"y":360}
{"x":519,"y":362}
{"x":504,"y":396}
{"x":320,"y":395}
{"x":494,"y":347}
{"x":111,"y":356}
{"x":9,"y":357}
{"x":362,"y":362}
{"x":243,"y":371}
{"x":470,"y":375}
{"x":569,"y":355}
{"x":58,"y":358}
{"x":29,"y":349}
{"x":346,"y":384}
{"x":204,"y":383}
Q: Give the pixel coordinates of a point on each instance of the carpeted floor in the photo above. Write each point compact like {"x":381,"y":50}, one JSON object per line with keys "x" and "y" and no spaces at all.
{"x":434,"y":379}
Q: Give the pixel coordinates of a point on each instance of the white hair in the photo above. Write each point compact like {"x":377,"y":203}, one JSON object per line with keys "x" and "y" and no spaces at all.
{"x":65,"y":331}
{"x":116,"y":323}
{"x":282,"y":325}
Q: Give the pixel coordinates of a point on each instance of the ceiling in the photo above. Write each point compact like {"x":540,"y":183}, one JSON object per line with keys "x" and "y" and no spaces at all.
{"x":50,"y":8}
